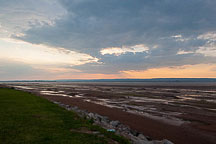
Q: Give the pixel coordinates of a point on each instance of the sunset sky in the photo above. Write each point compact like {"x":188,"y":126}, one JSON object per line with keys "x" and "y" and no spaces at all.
{"x":101,"y":39}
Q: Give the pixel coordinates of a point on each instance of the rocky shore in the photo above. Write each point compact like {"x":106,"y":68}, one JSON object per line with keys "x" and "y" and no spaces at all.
{"x":114,"y":126}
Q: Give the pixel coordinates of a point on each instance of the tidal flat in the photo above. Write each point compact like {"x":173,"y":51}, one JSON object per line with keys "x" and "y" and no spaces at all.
{"x":180,"y":112}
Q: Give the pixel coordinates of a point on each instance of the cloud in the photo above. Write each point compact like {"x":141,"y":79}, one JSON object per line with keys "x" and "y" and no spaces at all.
{"x":91,"y":25}
{"x":181,"y":38}
{"x":95,"y":36}
{"x":41,"y":55}
{"x":22,"y":60}
{"x":182,"y":52}
{"x":209,"y":36}
{"x":125,"y":49}
{"x":177,"y":36}
{"x":17,"y":16}
{"x":208,"y":50}
{"x":12,"y":70}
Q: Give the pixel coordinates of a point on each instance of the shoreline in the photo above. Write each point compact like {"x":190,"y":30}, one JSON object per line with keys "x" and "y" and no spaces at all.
{"x":152,"y":128}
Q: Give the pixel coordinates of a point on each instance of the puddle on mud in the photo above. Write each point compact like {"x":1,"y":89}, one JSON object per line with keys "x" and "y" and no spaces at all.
{"x":24,"y":87}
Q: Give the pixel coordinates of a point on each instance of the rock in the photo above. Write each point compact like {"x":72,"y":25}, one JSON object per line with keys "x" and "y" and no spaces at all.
{"x":55,"y":102}
{"x":148,"y":138}
{"x":144,"y":142}
{"x":142,"y":137}
{"x":134,"y":133}
{"x":69,"y":108}
{"x":106,"y":118}
{"x":91,"y":115}
{"x":126,"y":129}
{"x":157,"y":142}
{"x":136,"y":140}
{"x":114,"y":123}
{"x":99,"y":117}
{"x":165,"y":141}
{"x":105,"y":121}
{"x":78,"y":111}
{"x":75,"y":108}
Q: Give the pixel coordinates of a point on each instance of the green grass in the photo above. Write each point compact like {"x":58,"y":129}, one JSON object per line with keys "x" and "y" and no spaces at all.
{"x":29,"y":119}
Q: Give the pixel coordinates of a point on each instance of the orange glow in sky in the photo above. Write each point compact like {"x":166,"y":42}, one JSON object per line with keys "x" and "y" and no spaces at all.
{"x":187,"y":71}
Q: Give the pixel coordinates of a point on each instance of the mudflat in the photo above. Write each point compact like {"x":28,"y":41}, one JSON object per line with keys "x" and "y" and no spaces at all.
{"x":180,"y":112}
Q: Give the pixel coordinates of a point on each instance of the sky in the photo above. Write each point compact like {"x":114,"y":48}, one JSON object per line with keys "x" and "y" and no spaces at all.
{"x":107,"y":39}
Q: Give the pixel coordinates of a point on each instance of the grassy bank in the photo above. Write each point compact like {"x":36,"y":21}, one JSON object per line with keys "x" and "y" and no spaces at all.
{"x":26,"y":118}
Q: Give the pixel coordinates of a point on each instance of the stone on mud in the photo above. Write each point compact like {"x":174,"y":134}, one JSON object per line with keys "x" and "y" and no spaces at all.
{"x":142,"y":137}
{"x":165,"y":141}
{"x":114,"y":123}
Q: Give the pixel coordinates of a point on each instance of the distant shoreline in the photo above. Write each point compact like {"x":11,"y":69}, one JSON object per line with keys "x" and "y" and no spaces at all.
{"x":124,"y":80}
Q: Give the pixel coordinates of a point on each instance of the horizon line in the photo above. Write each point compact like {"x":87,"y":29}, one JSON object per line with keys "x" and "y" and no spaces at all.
{"x":123,"y":79}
